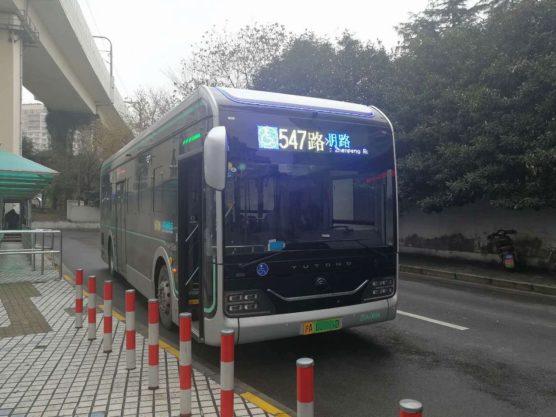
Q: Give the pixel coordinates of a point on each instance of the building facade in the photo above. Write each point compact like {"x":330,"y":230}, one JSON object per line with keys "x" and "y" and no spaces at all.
{"x":33,"y":125}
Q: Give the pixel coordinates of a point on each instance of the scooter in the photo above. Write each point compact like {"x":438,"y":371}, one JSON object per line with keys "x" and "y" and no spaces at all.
{"x":504,"y":246}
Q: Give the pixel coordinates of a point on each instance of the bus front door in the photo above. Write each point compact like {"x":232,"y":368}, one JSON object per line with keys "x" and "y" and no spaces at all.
{"x":120,"y":227}
{"x":190,"y":182}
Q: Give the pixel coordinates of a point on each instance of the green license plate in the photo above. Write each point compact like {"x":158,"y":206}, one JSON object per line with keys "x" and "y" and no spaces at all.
{"x":320,"y":326}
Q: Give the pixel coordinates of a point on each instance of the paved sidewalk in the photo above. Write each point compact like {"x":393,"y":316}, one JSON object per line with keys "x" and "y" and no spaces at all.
{"x":58,"y":372}
{"x":482,"y":273}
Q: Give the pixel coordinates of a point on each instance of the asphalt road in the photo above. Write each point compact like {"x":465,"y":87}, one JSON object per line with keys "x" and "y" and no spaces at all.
{"x":490,"y":353}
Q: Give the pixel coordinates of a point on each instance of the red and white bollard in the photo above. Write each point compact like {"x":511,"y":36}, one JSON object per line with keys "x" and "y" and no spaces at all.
{"x":305,"y":387}
{"x":107,"y":336}
{"x":227,"y":341}
{"x":92,"y":307}
{"x":411,"y":408}
{"x":153,"y":344}
{"x":130,"y":329}
{"x":185,"y":365}
{"x":79,"y":298}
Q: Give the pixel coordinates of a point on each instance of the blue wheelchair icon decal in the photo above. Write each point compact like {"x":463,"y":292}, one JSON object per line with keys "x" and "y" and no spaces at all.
{"x":262,"y":269}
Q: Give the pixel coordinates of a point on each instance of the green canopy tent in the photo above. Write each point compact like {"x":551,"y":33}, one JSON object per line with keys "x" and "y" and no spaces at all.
{"x":21,"y":178}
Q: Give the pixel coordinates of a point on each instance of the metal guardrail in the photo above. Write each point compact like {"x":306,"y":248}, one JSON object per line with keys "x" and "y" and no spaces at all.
{"x":36,"y":243}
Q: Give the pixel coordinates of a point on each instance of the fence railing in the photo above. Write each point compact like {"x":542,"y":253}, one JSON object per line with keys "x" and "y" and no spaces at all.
{"x":40,"y":245}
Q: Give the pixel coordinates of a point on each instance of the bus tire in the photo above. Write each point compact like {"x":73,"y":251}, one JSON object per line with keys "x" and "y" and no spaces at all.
{"x":164,"y":293}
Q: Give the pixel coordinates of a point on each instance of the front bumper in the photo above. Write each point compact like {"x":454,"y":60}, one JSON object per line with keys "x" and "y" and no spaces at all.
{"x":255,"y":329}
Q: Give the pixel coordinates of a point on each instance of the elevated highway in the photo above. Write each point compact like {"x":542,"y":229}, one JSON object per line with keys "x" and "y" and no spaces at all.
{"x":46,"y":46}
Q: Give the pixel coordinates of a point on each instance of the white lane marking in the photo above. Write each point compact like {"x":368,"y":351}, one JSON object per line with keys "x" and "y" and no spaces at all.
{"x":442,"y":323}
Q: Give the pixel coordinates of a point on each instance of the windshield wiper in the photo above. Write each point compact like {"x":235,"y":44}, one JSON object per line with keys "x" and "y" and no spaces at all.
{"x":370,"y":248}
{"x":263,"y":258}
{"x":291,"y":246}
{"x":341,"y":226}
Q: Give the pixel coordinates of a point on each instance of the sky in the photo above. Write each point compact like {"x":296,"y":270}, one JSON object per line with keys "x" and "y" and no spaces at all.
{"x":151,"y":37}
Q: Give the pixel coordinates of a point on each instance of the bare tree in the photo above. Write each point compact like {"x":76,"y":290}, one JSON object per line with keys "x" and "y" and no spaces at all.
{"x":147,"y":106}
{"x":231,"y":59}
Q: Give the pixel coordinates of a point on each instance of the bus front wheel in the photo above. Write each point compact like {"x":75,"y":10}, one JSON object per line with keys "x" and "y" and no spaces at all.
{"x":165,"y":298}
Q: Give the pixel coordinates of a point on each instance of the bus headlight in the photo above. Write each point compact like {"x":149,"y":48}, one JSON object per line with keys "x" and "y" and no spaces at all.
{"x":244,"y":303}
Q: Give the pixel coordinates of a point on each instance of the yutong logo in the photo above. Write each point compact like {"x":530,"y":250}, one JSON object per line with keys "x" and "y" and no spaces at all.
{"x":320,"y":266}
{"x":321,"y":283}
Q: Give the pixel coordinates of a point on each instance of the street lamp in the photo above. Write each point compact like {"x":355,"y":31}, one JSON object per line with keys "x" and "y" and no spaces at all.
{"x":111,"y":65}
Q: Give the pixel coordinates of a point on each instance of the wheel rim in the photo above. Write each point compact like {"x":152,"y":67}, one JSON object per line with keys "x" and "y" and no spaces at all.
{"x":164,"y":297}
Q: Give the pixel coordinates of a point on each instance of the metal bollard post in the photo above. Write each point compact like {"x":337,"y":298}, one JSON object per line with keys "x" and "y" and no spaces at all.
{"x":107,"y":336}
{"x":61,"y":250}
{"x":79,"y":298}
{"x":42,"y":254}
{"x":92,"y":307}
{"x":33,"y":247}
{"x":153,"y":344}
{"x":185,"y":365}
{"x":227,"y":341}
{"x":130,"y":329}
{"x":305,"y":387}
{"x":411,"y":408}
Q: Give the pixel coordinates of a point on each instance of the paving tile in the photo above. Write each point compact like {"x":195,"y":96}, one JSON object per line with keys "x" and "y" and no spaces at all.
{"x":61,"y":373}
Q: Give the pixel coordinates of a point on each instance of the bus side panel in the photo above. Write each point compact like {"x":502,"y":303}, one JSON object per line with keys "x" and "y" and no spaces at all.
{"x":150,"y":202}
{"x":152,"y":206}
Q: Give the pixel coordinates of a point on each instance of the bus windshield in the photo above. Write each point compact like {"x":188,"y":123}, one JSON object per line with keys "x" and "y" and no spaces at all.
{"x":280,"y":200}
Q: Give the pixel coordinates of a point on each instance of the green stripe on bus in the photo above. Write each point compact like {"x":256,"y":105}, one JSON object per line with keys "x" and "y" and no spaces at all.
{"x":213,"y":306}
{"x":192,"y":138}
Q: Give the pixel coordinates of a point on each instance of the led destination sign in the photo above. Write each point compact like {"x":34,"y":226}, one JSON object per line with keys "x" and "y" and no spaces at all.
{"x":292,"y":139}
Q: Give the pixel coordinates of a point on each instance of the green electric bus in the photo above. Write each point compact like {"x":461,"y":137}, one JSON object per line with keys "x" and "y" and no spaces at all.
{"x":271,"y":214}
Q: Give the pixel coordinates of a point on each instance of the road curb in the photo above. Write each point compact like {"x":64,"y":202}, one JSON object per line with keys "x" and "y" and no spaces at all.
{"x":479,"y":279}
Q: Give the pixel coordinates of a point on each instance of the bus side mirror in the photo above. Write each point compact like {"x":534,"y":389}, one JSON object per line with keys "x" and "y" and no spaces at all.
{"x":215,"y":161}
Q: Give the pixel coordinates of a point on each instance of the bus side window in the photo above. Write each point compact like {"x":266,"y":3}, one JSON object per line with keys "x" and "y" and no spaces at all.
{"x":139,"y":187}
{"x":158,"y":189}
{"x":126,"y":194}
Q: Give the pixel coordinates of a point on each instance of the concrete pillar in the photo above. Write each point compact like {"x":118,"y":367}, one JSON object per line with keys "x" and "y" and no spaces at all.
{"x":10,"y":91}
